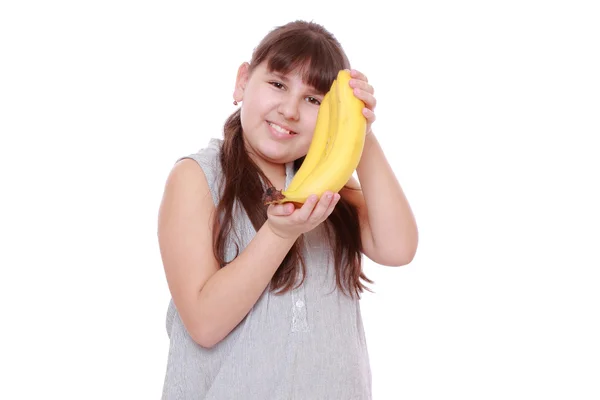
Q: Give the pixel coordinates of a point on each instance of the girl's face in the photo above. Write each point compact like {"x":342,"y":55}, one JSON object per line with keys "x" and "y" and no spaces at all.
{"x":278,"y":114}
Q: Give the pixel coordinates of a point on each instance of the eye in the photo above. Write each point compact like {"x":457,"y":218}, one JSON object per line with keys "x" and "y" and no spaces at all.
{"x":313,"y":100}
{"x":276,"y":84}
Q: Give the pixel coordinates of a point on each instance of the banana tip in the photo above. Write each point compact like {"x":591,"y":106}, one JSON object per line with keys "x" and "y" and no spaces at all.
{"x":272,"y":196}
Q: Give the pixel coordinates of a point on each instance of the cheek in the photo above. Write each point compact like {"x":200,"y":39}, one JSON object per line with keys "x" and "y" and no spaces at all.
{"x":306,"y":140}
{"x":310,"y":125}
{"x":252,"y":114}
{"x":255,"y":102}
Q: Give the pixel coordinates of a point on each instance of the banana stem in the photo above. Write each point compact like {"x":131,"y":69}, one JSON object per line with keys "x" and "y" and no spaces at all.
{"x":272,"y":196}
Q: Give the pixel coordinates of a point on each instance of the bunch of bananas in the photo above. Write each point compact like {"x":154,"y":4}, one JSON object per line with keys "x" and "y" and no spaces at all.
{"x":335,"y":149}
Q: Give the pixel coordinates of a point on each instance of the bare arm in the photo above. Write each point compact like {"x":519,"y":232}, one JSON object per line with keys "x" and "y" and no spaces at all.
{"x":210,"y":301}
{"x":388,"y":227}
{"x":389,"y":230}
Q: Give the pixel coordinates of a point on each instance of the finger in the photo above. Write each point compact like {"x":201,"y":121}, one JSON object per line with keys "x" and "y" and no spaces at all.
{"x":354,"y":73}
{"x":304,"y":212}
{"x":369,"y":115}
{"x":362,"y":85}
{"x":281,"y":209}
{"x":334,"y":201}
{"x":319,"y":213}
{"x":368,"y":98}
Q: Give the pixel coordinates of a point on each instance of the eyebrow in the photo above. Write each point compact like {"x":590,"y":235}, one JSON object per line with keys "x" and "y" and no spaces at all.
{"x":279,"y":75}
{"x":284,"y":78}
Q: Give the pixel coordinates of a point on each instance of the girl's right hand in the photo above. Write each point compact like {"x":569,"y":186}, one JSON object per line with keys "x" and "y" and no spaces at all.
{"x":288,"y":222}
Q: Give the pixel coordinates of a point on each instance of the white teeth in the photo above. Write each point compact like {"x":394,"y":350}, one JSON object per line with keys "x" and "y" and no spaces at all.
{"x":280,"y":129}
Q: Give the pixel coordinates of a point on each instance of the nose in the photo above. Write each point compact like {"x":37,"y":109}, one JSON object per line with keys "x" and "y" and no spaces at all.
{"x":289,"y":108}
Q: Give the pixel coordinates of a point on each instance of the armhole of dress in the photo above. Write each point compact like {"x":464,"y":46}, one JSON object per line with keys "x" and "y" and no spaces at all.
{"x":209,"y":163}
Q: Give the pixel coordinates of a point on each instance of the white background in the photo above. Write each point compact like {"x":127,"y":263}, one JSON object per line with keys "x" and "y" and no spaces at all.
{"x":487,"y":111}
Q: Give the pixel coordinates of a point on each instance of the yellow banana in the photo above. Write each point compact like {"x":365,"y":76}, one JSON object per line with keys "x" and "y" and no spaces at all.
{"x":341,"y":154}
{"x":317,"y":146}
{"x":333,"y":121}
{"x":347,"y":135}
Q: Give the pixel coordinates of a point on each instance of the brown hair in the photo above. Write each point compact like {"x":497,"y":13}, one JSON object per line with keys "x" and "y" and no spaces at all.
{"x":308,"y":46}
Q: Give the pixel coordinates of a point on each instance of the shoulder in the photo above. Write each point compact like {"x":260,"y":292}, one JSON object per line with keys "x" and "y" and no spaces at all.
{"x":203,"y":165}
{"x":192,"y":177}
{"x":207,"y":156}
{"x":186,"y":188}
{"x":188,"y":200}
{"x":185,"y":219}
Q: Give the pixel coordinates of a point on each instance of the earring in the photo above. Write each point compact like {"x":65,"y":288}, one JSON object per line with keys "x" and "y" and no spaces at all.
{"x":235,"y":103}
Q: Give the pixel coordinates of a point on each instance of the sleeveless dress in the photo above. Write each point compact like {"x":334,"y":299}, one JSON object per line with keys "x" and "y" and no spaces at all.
{"x":307,"y":344}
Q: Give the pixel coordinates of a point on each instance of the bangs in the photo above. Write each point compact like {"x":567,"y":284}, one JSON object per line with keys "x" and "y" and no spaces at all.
{"x":317,"y":59}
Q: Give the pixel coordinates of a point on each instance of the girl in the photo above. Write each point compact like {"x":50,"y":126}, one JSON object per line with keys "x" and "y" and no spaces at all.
{"x":265,"y":300}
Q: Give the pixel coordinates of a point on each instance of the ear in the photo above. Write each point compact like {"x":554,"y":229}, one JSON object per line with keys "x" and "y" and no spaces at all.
{"x":241,"y":81}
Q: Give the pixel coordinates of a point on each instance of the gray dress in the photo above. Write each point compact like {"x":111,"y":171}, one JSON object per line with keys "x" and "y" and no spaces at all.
{"x":308,"y":344}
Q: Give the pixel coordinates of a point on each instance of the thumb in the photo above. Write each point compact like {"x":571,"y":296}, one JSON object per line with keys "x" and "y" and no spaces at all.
{"x":282,"y":209}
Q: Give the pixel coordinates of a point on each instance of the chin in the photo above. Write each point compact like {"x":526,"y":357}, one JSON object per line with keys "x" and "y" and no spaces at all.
{"x":277,"y":153}
{"x":278,"y":158}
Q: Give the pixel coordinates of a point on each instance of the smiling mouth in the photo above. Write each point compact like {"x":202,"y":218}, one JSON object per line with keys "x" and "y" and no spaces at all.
{"x":280,"y":129}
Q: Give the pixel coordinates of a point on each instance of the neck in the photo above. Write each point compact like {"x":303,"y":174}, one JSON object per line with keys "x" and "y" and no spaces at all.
{"x":276,"y":173}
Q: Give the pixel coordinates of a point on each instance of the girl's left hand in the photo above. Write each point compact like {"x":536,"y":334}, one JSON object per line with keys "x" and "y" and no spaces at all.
{"x":365,"y":92}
